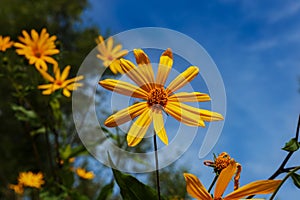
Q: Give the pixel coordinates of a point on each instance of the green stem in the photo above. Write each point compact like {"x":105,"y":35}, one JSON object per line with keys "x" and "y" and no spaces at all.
{"x":283,"y":180}
{"x":213,"y":183}
{"x":156,"y":167}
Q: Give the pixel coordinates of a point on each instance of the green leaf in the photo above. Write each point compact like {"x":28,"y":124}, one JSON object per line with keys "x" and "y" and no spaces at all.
{"x":41,"y":130}
{"x":66,"y":152}
{"x":296,"y":179}
{"x":106,"y":191}
{"x":131,"y":188}
{"x":292,"y":145}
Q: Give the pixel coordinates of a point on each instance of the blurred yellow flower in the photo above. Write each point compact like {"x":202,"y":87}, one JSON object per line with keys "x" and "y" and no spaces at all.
{"x":31,"y":180}
{"x":17,"y":188}
{"x":59,"y":81}
{"x":38,"y":49}
{"x":109,"y":54}
{"x":157,"y":98}
{"x":82,"y":173}
{"x":198,"y":191}
{"x":5,"y":43}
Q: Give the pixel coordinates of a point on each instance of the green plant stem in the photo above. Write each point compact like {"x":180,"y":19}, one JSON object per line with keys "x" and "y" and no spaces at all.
{"x":213,"y":183}
{"x":156,"y":167}
{"x":283,"y":180}
{"x":281,"y":169}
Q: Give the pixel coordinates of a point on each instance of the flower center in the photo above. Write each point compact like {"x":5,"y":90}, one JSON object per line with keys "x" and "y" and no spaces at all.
{"x":58,"y":83}
{"x":222,"y":161}
{"x":110,"y":58}
{"x":157,"y":96}
{"x":36,"y":52}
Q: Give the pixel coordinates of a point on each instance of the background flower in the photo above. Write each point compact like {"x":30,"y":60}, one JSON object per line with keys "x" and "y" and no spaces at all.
{"x":38,"y":49}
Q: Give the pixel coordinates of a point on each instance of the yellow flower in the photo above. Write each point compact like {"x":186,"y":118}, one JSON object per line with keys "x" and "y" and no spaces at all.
{"x":59,"y":82}
{"x":17,"y":188}
{"x":109,"y":54}
{"x":84,"y":174}
{"x":198,"y":191}
{"x":5,"y":43}
{"x":37,"y":48}
{"x":157,"y":98}
{"x":31,"y":180}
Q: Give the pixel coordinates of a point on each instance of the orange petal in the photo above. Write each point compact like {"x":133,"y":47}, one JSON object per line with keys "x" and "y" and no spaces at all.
{"x":189,"y":97}
{"x":195,"y":188}
{"x":224,"y":179}
{"x":182,"y":79}
{"x":164,"y":68}
{"x":123,"y":87}
{"x":135,"y":74}
{"x":186,"y":114}
{"x":144,"y":63}
{"x":257,"y":187}
{"x":126,"y":114}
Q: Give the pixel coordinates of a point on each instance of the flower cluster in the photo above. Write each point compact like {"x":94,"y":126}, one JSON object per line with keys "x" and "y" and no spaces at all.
{"x":28,"y":179}
{"x":39,"y":49}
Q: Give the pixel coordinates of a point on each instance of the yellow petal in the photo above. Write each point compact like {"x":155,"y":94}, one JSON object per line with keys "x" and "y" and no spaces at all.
{"x":164,"y":68}
{"x":139,"y":128}
{"x":120,"y":54}
{"x":110,"y":43}
{"x":210,"y":116}
{"x":115,"y":67}
{"x":182,"y":79}
{"x":195,"y":188}
{"x":224,"y":179}
{"x":158,"y":122}
{"x":65,"y":73}
{"x":184,"y":113}
{"x":123,"y":87}
{"x":135,"y":74}
{"x":144,"y":63}
{"x":126,"y":114}
{"x":46,"y":75}
{"x":257,"y":187}
{"x":189,"y":97}
{"x":66,"y":92}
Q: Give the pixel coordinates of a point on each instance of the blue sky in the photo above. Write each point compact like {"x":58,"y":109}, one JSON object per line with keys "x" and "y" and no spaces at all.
{"x":256,"y":46}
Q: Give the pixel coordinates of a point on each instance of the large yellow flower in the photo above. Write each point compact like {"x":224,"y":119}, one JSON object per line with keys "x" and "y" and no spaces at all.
{"x":38,"y":49}
{"x":31,"y":180}
{"x":157,"y":98}
{"x":109,"y":54}
{"x":82,"y":173}
{"x":60,"y":81}
{"x":5,"y":43}
{"x":198,"y":191}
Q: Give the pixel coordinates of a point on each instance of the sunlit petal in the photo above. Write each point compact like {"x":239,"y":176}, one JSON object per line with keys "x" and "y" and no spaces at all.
{"x":224,"y":179}
{"x":123,"y":87}
{"x":135,"y":74}
{"x":257,"y":187}
{"x":144,"y":63}
{"x":126,"y":114}
{"x":164,"y":68}
{"x":189,"y":97}
{"x":139,"y":128}
{"x":158,"y":122}
{"x":182,"y":79}
{"x":195,"y":188}
{"x":184,"y":113}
